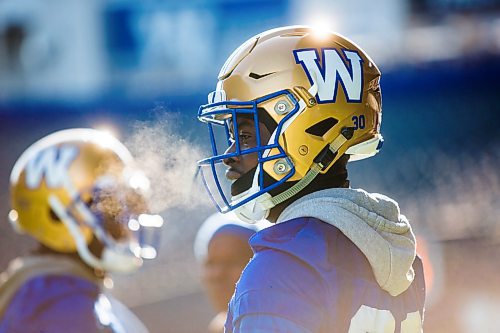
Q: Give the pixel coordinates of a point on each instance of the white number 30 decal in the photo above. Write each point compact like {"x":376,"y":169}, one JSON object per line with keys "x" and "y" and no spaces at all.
{"x":371,"y":320}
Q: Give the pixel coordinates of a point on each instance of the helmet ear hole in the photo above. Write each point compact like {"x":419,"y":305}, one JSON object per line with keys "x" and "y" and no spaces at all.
{"x":320,"y":129}
{"x":53,"y":216}
{"x":266,"y":119}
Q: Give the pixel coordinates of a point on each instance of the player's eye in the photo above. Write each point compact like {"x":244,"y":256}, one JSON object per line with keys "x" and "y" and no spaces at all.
{"x":245,"y":139}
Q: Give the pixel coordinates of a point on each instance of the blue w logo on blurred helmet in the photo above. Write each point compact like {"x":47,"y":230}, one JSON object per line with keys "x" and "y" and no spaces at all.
{"x":53,"y":163}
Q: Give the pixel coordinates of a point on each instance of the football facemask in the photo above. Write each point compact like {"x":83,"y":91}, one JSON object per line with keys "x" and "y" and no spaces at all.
{"x":223,"y":119}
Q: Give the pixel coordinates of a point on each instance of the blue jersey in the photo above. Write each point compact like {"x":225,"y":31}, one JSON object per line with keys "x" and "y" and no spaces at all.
{"x":307,"y":276}
{"x":54,"y":294}
{"x":55,"y":304}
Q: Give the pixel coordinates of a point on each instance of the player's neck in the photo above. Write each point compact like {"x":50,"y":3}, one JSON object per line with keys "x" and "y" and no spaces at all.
{"x":275,"y":212}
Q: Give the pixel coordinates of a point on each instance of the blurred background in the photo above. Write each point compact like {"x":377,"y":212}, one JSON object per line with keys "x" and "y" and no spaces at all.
{"x":140,"y":69}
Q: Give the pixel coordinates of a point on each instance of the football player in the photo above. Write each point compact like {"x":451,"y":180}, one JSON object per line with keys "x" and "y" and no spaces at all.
{"x":294,"y":105}
{"x":78,"y":194}
{"x":221,"y":247}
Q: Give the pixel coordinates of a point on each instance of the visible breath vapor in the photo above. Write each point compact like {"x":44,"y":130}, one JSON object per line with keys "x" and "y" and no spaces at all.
{"x":168,"y":159}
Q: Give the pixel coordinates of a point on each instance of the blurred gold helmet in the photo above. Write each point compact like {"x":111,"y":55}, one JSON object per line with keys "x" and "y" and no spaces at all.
{"x":79,"y":185}
{"x":317,"y":90}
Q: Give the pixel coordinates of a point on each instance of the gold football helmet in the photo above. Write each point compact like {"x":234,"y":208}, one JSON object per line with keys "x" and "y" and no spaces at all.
{"x":318,"y":92}
{"x":76,"y":186}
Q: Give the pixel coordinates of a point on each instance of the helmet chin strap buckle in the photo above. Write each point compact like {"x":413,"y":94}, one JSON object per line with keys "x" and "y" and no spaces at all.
{"x":328,"y":154}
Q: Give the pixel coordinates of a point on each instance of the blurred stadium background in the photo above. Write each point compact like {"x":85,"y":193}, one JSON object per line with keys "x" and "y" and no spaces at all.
{"x":142,"y":68}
